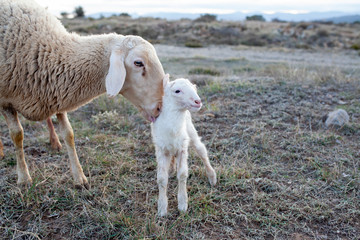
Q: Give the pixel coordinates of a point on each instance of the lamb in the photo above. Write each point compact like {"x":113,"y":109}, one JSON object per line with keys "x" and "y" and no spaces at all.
{"x":45,"y":70}
{"x":172,"y":133}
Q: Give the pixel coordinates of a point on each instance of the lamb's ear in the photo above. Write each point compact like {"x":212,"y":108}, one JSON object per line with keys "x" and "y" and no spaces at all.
{"x":166,"y":80}
{"x":116,"y":76}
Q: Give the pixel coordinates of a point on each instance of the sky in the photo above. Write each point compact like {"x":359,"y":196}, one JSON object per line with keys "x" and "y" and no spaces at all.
{"x":202,"y":6}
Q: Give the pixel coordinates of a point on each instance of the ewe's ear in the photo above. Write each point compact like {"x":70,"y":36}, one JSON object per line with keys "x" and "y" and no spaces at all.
{"x":116,"y":76}
{"x":166,"y":80}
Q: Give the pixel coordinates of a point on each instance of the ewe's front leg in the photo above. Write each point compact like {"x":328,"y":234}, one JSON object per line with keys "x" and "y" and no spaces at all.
{"x":1,"y":150}
{"x":54,"y":140}
{"x":163,"y":165}
{"x":200,"y":148}
{"x":182,"y":175}
{"x":68,"y":136}
{"x":17,"y":136}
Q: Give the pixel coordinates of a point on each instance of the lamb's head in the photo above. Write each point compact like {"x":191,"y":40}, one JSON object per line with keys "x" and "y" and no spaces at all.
{"x":182,"y":93}
{"x":136,"y":72}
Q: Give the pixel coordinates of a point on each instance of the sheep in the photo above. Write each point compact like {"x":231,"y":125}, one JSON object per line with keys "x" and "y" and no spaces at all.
{"x":172,"y":133}
{"x":45,"y":70}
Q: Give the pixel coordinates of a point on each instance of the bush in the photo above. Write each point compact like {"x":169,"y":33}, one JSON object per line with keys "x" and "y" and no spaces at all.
{"x":79,"y":12}
{"x":206,"y":18}
{"x":193,"y":44}
{"x":355,"y":46}
{"x":124,"y":15}
{"x":255,"y":18}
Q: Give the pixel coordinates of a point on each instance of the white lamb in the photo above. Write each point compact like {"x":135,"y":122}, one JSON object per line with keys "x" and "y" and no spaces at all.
{"x":172,"y":133}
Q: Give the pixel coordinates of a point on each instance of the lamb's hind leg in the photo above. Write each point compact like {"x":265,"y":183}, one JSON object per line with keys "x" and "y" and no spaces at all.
{"x":68,"y":136}
{"x":200,"y":148}
{"x":54,"y":140}
{"x":163,"y":165}
{"x":182,"y":175}
{"x":17,"y":136}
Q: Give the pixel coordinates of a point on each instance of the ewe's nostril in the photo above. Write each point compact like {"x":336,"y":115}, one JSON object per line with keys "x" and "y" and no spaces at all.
{"x":197,"y":101}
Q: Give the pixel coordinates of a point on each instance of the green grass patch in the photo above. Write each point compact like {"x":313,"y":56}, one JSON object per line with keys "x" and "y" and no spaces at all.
{"x":204,"y":71}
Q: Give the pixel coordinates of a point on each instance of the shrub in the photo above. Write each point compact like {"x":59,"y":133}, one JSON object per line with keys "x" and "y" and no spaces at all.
{"x":255,"y":18}
{"x":355,"y":46}
{"x":124,"y":15}
{"x":206,"y":18}
{"x":193,"y":43}
{"x":79,"y":12}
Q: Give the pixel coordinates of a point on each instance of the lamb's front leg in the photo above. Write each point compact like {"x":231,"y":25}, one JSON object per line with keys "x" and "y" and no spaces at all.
{"x":182,"y":175}
{"x":163,"y":165}
{"x":68,"y":136}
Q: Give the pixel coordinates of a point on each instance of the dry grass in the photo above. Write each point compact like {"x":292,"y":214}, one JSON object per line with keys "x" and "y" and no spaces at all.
{"x":281,"y":174}
{"x":200,"y":34}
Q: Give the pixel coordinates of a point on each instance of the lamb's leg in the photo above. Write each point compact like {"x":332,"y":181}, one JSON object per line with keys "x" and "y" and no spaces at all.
{"x":200,"y":148}
{"x":68,"y":136}
{"x":17,"y":136}
{"x":163,"y":165}
{"x":54,"y":140}
{"x":1,"y":150}
{"x":182,"y":175}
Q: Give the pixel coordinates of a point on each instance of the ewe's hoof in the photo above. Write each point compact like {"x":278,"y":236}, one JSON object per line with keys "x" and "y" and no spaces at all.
{"x":56,"y":146}
{"x":212,"y":177}
{"x":82,"y":183}
{"x":24,"y":182}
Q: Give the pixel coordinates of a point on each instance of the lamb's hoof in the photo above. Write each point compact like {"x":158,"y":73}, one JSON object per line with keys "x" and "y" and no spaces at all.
{"x":212,"y":177}
{"x":162,"y":207}
{"x":162,"y":212}
{"x":182,"y":207}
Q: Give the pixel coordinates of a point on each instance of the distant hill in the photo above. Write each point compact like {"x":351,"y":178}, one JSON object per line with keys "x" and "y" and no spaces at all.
{"x":336,"y":17}
{"x":344,"y":19}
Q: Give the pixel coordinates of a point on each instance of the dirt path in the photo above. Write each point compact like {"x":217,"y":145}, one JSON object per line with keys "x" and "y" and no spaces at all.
{"x":341,"y":59}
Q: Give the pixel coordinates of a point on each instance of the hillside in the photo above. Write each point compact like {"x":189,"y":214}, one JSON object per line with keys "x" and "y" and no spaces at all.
{"x":202,"y":32}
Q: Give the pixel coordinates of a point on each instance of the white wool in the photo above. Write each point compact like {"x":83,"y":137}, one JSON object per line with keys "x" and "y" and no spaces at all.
{"x":172,"y":133}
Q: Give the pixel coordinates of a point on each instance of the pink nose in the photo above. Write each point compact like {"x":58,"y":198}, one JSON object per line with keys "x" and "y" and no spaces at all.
{"x":198,"y":101}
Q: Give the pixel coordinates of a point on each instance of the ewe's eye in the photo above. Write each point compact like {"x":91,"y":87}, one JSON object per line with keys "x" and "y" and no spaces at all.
{"x":139,"y":63}
{"x":177,"y":91}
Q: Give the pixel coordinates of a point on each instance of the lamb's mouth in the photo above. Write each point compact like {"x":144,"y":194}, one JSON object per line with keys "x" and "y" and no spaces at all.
{"x":196,"y":106}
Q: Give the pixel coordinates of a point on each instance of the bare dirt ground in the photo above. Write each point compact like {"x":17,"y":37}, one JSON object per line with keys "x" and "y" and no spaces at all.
{"x":281,"y":174}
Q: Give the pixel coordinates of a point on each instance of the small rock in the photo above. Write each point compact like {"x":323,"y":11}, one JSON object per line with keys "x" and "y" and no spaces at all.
{"x":336,"y":118}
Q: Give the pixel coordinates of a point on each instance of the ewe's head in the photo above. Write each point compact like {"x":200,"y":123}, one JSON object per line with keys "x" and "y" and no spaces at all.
{"x":136,"y":72}
{"x":183,"y":93}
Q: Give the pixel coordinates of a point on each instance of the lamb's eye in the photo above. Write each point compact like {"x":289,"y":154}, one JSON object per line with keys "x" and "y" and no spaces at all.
{"x":177,"y":91}
{"x":139,"y":63}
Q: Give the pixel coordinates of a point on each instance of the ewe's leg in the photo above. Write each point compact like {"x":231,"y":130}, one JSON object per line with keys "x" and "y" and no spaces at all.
{"x":17,"y":136}
{"x":182,"y":175}
{"x":200,"y":148}
{"x":1,"y":150}
{"x":163,"y":165}
{"x":68,"y":136}
{"x":54,"y":140}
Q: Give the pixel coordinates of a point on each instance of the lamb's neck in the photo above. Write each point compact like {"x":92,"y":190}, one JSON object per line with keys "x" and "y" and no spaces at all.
{"x":172,"y":113}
